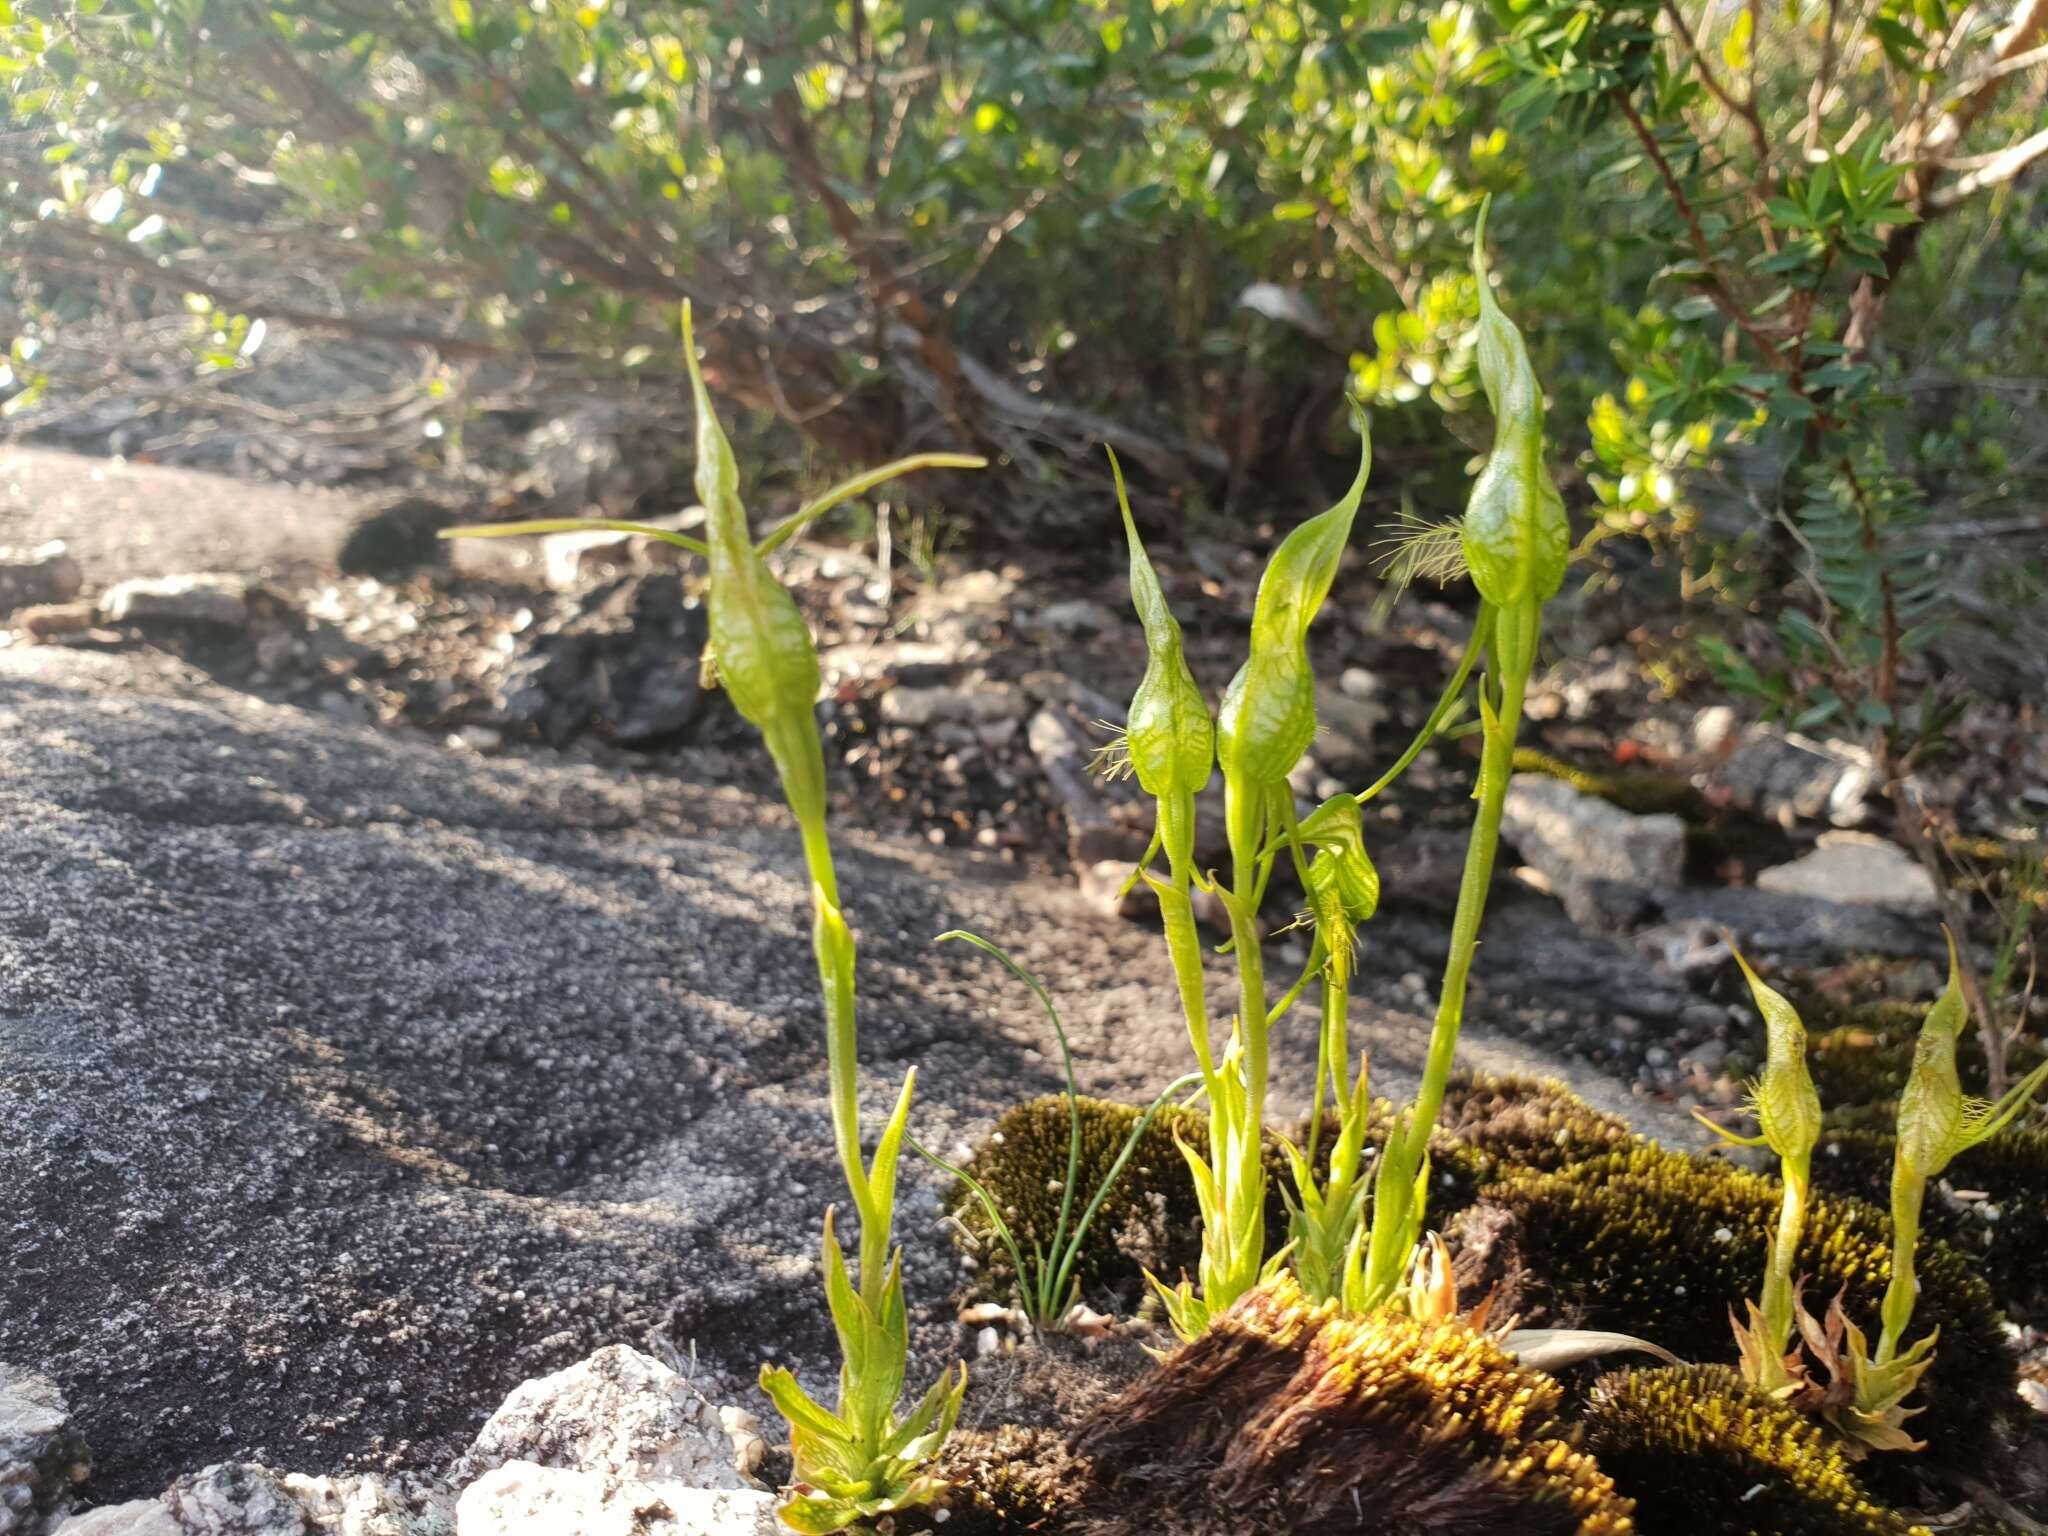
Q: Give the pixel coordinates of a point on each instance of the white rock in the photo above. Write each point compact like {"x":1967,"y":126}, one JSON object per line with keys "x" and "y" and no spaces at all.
{"x":522,"y":1499}
{"x":221,"y":601}
{"x":1108,"y":885}
{"x":749,"y":1445}
{"x":139,"y":1517}
{"x":973,"y":704}
{"x":368,"y":1505}
{"x":1576,"y":840}
{"x":234,"y":1498}
{"x":1358,"y":683}
{"x":1345,"y":723}
{"x":619,"y":1414}
{"x":1858,"y":870}
{"x":1791,"y":779}
{"x":1078,"y":613}
{"x":41,"y":1456}
{"x":1714,"y":729}
{"x":569,"y":560}
{"x":46,"y":574}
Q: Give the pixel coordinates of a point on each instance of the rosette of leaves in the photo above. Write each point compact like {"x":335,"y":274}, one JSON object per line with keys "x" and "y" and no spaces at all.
{"x":1662,"y":1245}
{"x":1290,"y":1416}
{"x":1702,"y":1453}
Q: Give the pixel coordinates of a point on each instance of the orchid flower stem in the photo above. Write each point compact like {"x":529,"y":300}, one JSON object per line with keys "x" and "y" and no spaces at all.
{"x":1903,"y":1289}
{"x":1454,"y":690}
{"x":1780,"y":1300}
{"x":1397,"y":1223}
{"x":1184,"y":950}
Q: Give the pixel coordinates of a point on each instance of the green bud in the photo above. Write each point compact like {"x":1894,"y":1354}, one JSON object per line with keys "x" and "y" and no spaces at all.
{"x":1170,"y":736}
{"x":1932,"y":1106}
{"x":1786,"y":1102}
{"x":1515,"y":535}
{"x":766,"y":660}
{"x":1937,"y":1120}
{"x":1343,"y":885}
{"x":1269,"y":711}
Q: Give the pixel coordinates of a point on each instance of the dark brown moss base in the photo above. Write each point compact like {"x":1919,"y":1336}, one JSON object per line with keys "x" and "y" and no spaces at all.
{"x":1658,"y":1244}
{"x":1287,"y":1417}
{"x":1009,"y":1481}
{"x":1704,"y":1455}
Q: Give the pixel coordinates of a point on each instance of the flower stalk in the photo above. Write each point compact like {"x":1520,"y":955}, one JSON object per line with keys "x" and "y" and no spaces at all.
{"x":1515,"y":542}
{"x":863,"y":1460}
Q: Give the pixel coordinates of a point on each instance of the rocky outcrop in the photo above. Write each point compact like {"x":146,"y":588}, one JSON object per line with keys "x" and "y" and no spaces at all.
{"x":1858,"y":870}
{"x":354,"y":1081}
{"x":522,"y":1499}
{"x":42,"y":1456}
{"x":213,"y":602}
{"x":1580,"y":843}
{"x":620,"y":1414}
{"x":49,"y":573}
{"x":618,"y":1445}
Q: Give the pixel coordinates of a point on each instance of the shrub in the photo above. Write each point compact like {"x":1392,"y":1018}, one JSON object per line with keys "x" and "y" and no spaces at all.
{"x":1659,"y":1244}
{"x":1703,"y":1454}
{"x":1288,"y":1416}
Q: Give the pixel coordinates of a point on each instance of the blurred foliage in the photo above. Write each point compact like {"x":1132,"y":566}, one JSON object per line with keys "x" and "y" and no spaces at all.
{"x":1784,"y":261}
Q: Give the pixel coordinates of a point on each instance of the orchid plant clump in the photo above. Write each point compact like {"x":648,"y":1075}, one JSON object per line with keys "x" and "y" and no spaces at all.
{"x":862,"y":1460}
{"x":1513,"y":541}
{"x":1865,"y":1396}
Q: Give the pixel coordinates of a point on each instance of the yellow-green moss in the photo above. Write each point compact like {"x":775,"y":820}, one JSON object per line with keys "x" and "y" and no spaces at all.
{"x":1659,"y":1244}
{"x":1704,"y":1455}
{"x":1150,"y":1219}
{"x":1492,"y":1126}
{"x":1288,"y":1417}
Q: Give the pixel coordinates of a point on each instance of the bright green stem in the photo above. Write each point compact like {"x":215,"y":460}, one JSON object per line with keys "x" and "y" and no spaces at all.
{"x":1333,"y":1050}
{"x":800,"y":761}
{"x":1184,"y":949}
{"x":1244,"y":810}
{"x":1904,"y":1289}
{"x":1453,"y":690}
{"x":1397,"y":1219}
{"x":1779,"y":1298}
{"x":1234,"y":1248}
